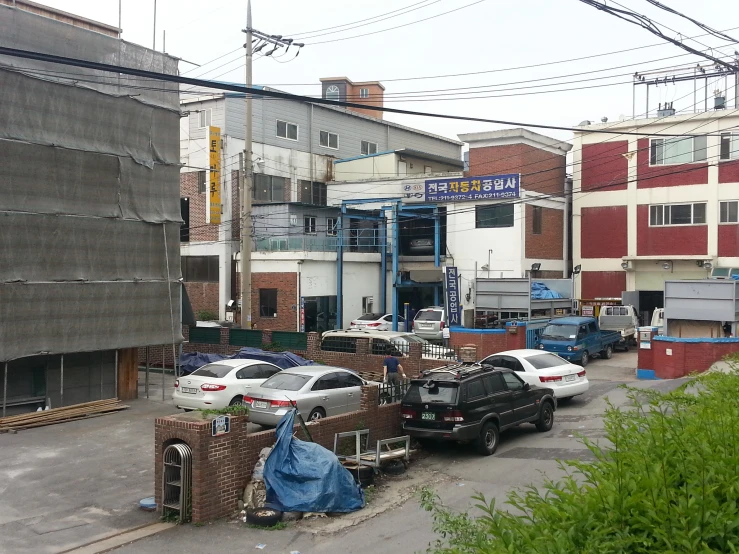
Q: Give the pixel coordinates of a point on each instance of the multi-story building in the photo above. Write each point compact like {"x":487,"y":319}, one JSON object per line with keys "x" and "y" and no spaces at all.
{"x":297,"y":149}
{"x":90,"y":258}
{"x":657,"y":205}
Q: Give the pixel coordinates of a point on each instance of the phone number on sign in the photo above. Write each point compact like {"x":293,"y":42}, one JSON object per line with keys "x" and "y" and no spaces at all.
{"x":472,"y":197}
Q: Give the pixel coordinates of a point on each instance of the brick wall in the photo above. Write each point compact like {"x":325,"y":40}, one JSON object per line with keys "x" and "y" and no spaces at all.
{"x":602,"y":284}
{"x":199,"y":230}
{"x":287,"y":290}
{"x":548,"y":245}
{"x":540,"y":170}
{"x":728,"y":171}
{"x":203,"y":296}
{"x":603,"y":232}
{"x":728,"y":240}
{"x":667,"y":175}
{"x":222,"y":466}
{"x":490,"y":341}
{"x":680,"y":239}
{"x":687,"y":356}
{"x":604,"y":166}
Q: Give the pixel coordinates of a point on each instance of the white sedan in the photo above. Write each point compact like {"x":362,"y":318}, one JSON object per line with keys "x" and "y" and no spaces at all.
{"x":220,"y":384}
{"x":376,"y":322}
{"x":543,"y":369}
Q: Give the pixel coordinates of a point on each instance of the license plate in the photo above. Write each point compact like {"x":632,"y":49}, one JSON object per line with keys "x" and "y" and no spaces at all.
{"x":570,"y":377}
{"x":189,"y":391}
{"x":260,"y":404}
{"x":428,"y":415}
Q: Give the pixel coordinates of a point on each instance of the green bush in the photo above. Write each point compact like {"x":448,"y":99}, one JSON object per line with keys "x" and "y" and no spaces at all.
{"x":207,"y":315}
{"x":668,"y":482}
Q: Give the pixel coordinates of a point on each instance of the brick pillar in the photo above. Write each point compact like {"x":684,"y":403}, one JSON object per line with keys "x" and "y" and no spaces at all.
{"x":362,"y":347}
{"x":415,"y":359}
{"x":266,"y":336}
{"x":314,"y":344}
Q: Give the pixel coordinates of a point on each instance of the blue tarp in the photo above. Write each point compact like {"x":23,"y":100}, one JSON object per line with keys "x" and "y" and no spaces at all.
{"x":190,"y":361}
{"x":539,"y":291}
{"x":305,"y":477}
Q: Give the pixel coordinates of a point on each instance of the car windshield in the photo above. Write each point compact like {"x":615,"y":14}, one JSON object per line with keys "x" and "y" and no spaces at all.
{"x":370,"y":317}
{"x":216,"y":371}
{"x":555,"y":331}
{"x":432,"y":392}
{"x":286,"y":381}
{"x":412,"y":338}
{"x":543,"y":361}
{"x":428,"y":315}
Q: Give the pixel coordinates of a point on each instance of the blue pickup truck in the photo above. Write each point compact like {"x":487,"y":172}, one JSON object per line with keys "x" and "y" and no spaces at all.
{"x":577,"y":339}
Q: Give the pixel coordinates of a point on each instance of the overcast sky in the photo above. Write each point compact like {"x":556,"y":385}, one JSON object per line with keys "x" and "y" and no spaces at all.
{"x":488,"y":35}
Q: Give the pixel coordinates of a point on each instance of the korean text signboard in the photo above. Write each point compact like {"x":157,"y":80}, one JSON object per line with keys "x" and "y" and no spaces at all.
{"x":453,"y":305}
{"x":214,"y":148}
{"x":470,"y":189}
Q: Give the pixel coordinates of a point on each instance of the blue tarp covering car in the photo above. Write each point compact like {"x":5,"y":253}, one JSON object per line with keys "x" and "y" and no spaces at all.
{"x":305,"y":477}
{"x":190,"y":361}
{"x":539,"y":291}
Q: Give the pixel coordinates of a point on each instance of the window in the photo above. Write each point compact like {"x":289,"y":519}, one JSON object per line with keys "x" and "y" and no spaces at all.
{"x":267,"y":370}
{"x":349,"y":380}
{"x":592,"y":328}
{"x":536,"y":223}
{"x":497,"y":215}
{"x":437,"y":392}
{"x":328,"y":140}
{"x":204,"y":118}
{"x":513,"y":381}
{"x":313,"y":193}
{"x":268,"y":188}
{"x":327,"y":382}
{"x":268,"y":302}
{"x":200,"y":269}
{"x":545,"y":361}
{"x":677,"y":150}
{"x":251,"y":372}
{"x":729,"y":212}
{"x":368,"y":148}
{"x":332,"y":224}
{"x":287,"y":130}
{"x":367,"y":305}
{"x":286,"y":381}
{"x":493,"y":383}
{"x":475,"y":390}
{"x":333,"y":93}
{"x":185,"y":215}
{"x":582,"y":332}
{"x":202,"y":178}
{"x":677,"y":214}
{"x":214,"y":371}
{"x":309,"y":225}
{"x":729,"y":146}
{"x":364,"y":93}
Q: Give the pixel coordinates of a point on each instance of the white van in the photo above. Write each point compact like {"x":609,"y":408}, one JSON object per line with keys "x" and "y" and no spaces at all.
{"x":658,"y":320}
{"x":622,"y":319}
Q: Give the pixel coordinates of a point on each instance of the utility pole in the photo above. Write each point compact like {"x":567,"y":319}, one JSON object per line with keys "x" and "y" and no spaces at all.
{"x":247,"y":176}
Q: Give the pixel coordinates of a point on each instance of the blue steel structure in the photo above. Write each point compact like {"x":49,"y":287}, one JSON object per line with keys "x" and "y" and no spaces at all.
{"x":397,"y":209}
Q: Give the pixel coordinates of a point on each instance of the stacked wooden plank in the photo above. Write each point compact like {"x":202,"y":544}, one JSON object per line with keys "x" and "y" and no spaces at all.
{"x":60,"y":415}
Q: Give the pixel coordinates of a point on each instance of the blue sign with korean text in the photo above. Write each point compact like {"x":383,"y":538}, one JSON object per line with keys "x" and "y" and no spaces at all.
{"x":466,"y":189}
{"x":453,"y":305}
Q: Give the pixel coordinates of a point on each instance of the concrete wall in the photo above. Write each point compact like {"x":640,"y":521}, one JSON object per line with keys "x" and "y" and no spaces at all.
{"x":672,"y":358}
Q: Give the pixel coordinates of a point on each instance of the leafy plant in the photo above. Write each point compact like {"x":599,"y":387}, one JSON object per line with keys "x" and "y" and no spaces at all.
{"x":276,"y":527}
{"x":207,"y":315}
{"x":667,"y":483}
{"x":273,"y":347}
{"x":235,"y":410}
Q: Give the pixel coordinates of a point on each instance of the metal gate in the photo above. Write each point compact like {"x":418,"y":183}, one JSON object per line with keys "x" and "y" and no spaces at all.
{"x":533,"y":331}
{"x":177,"y":481}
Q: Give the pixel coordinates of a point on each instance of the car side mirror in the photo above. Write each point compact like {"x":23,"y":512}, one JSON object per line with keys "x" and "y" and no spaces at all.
{"x":526,"y":386}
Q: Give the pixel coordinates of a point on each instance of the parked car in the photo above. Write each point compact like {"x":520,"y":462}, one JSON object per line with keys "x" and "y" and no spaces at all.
{"x":539,"y":368}
{"x":429,"y":323}
{"x":473,"y":403}
{"x":622,"y":319}
{"x":220,"y":384}
{"x":576,"y":339}
{"x":319,"y":391}
{"x":376,"y":322}
{"x":421,"y":246}
{"x":383,"y":343}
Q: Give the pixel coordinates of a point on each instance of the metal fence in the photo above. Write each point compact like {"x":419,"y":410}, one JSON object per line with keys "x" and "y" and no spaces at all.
{"x":392,"y":393}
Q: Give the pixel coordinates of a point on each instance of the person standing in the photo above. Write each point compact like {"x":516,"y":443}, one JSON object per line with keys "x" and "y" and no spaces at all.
{"x":391,"y":371}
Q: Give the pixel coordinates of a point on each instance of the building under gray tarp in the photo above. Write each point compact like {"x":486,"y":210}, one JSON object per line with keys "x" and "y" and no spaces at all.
{"x":89,"y":209}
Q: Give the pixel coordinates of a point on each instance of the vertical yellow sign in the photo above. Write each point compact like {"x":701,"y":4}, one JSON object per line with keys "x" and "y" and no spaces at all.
{"x":214,"y":146}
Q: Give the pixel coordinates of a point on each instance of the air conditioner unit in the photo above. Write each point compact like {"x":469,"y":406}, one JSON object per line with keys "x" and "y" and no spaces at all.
{"x":294,"y":220}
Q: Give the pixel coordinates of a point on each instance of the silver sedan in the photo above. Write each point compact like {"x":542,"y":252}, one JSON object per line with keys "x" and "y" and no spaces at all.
{"x":318,"y":390}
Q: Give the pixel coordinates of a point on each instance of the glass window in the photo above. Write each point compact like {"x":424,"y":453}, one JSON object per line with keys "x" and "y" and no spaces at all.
{"x":309,"y":225}
{"x":428,"y":315}
{"x":215,"y":371}
{"x":327,"y":382}
{"x":536,"y":223}
{"x":349,"y":380}
{"x":200,"y":269}
{"x":699,"y":213}
{"x":364,"y":93}
{"x":251,"y":372}
{"x":728,"y":212}
{"x":494,"y":383}
{"x":328,"y":140}
{"x":512,"y":381}
{"x":313,"y":193}
{"x":332,"y":224}
{"x":475,"y":390}
{"x":678,"y":214}
{"x":729,"y":146}
{"x":286,"y":381}
{"x":435,"y":392}
{"x":333,"y":92}
{"x":268,"y":188}
{"x":202,"y":178}
{"x":287,"y":130}
{"x":368,"y":148}
{"x":582,"y":332}
{"x":592,"y":327}
{"x":543,"y":361}
{"x":266,"y":371}
{"x":655,"y":215}
{"x":185,"y":215}
{"x":268,"y":302}
{"x":496,"y":215}
{"x":205,"y":118}
{"x":677,"y":150}
{"x":559,"y":332}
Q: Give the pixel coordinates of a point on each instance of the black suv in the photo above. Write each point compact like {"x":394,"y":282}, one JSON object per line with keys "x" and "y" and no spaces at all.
{"x":473,"y":403}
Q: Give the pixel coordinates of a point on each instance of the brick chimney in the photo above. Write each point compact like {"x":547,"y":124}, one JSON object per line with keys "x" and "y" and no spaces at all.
{"x":370,"y":93}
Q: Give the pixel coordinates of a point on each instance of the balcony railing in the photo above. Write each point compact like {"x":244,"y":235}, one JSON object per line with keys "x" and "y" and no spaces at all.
{"x":311,"y":244}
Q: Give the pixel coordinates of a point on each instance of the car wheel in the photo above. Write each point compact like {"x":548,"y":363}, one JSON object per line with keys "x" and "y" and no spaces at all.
{"x":487,"y":441}
{"x":546,"y":417}
{"x":363,"y":475}
{"x":585,"y":358}
{"x":316,"y":414}
{"x":264,"y":517}
{"x":236,"y":401}
{"x":608,"y":352}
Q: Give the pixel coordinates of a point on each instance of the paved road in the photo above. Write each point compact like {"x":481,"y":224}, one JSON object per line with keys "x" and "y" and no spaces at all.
{"x":524,"y":457}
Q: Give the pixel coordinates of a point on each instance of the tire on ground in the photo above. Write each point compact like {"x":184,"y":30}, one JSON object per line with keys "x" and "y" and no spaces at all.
{"x":546,"y":417}
{"x":487,"y":440}
{"x":264,"y":517}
